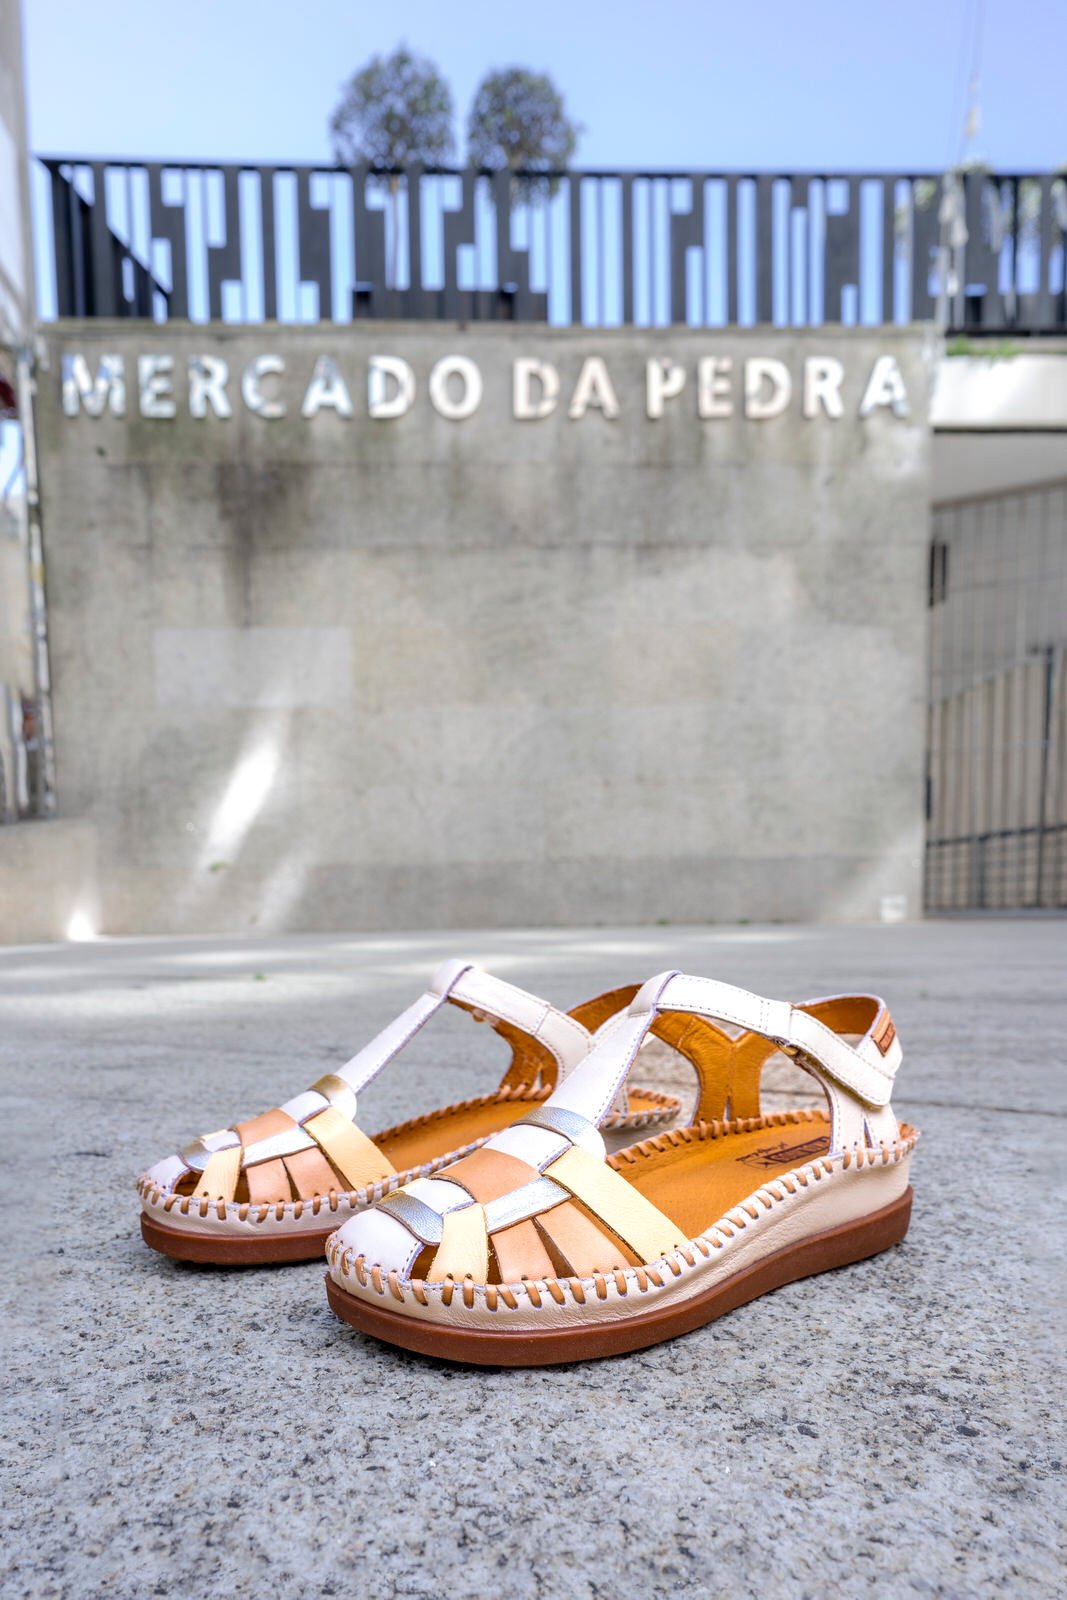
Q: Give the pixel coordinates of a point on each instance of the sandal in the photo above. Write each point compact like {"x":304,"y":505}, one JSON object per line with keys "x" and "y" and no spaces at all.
{"x":273,"y":1188}
{"x":538,"y":1249}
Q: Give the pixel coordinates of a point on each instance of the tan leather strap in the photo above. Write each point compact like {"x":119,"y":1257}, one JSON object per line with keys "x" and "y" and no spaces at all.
{"x":617,"y":1203}
{"x":464,"y":1248}
{"x":219,"y":1178}
{"x":268,"y":1182}
{"x":347,"y":1148}
{"x":488,"y":1174}
{"x":520,"y":1253}
{"x":577,"y":1246}
{"x":311,"y":1173}
{"x":268,"y":1125}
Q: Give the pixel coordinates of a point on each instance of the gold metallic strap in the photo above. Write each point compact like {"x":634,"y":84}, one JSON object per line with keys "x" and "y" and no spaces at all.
{"x":616,"y":1203}
{"x":338,"y":1093}
{"x":356,"y":1158}
{"x":219,"y":1179}
{"x":464,"y":1248}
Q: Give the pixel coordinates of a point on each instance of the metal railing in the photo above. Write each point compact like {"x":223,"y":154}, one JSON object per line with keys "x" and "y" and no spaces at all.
{"x":997,"y":717}
{"x":976,"y":252}
{"x":27,"y":786}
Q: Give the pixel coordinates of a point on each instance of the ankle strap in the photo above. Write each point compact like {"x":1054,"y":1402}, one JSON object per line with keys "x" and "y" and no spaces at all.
{"x":858,"y":1078}
{"x":811,"y":1030}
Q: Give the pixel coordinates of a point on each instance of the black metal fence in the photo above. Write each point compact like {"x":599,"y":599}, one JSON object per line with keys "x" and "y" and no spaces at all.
{"x":27,"y":777}
{"x":977,"y":252}
{"x":997,"y":744}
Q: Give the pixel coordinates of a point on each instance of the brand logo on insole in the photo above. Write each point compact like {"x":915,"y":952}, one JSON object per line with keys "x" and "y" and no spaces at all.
{"x":781,"y":1155}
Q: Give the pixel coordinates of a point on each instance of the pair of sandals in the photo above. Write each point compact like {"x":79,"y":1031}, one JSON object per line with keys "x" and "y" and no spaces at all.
{"x":499,"y":1230}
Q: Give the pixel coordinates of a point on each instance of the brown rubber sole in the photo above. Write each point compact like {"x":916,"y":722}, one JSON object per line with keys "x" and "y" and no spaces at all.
{"x":837,"y":1247}
{"x":227,"y":1252}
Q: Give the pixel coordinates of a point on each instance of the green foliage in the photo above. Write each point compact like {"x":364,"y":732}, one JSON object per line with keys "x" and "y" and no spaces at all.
{"x":518,"y":122}
{"x":997,"y":209}
{"x":988,"y":349}
{"x":395,"y":110}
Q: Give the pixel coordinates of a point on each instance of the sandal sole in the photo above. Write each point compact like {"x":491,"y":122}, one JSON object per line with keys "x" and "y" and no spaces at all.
{"x":836,"y":1247}
{"x":200,"y":1248}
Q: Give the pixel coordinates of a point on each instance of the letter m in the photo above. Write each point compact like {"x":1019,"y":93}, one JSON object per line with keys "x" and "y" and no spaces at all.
{"x":82,"y":391}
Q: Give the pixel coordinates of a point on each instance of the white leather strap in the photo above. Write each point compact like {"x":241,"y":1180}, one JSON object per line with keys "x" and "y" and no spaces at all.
{"x":592,"y":1086}
{"x":861,"y":1071}
{"x":868,"y":1081}
{"x":787,"y":1025}
{"x":724,"y":1002}
{"x":563,"y":1036}
{"x":369,"y":1061}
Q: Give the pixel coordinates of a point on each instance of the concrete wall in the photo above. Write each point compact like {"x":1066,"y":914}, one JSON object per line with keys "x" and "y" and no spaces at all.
{"x":346,"y":672}
{"x":16,"y":274}
{"x":49,"y":881}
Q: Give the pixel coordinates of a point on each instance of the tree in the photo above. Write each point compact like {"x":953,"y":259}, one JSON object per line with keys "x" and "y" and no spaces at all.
{"x":518,"y":121}
{"x":394,"y":111}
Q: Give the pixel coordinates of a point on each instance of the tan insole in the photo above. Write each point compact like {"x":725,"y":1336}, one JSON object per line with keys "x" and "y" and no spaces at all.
{"x":451,"y":1129}
{"x":695,"y":1182}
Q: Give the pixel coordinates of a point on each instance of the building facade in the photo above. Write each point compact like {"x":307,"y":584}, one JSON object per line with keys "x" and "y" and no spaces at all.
{"x":394,"y":582}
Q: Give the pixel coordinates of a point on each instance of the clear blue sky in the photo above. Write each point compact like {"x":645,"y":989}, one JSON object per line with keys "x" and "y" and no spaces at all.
{"x":760,"y":84}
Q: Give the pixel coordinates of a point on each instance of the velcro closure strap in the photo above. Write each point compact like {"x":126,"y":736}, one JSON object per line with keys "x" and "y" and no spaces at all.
{"x":725,"y":1002}
{"x":865,"y":1079}
{"x":616,"y":1203}
{"x":787,"y":1026}
{"x":346,"y":1147}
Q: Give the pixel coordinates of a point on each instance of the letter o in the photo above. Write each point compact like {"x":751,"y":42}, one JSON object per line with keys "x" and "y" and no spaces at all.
{"x":467,"y":404}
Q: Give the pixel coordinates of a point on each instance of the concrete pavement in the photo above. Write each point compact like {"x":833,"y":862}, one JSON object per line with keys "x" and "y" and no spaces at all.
{"x":175,"y":1431}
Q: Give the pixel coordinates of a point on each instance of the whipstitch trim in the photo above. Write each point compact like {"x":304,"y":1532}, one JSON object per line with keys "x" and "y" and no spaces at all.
{"x":641,"y":1279}
{"x":279,"y":1210}
{"x":153,"y":1194}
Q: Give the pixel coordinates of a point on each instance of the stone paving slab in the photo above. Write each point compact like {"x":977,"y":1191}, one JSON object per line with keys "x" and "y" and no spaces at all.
{"x":180,"y":1431}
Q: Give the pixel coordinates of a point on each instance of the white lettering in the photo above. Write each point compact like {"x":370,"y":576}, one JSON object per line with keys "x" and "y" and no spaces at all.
{"x":823,"y":377}
{"x":327,"y":388}
{"x":664,"y":380}
{"x":817,"y":384}
{"x":758,"y":371}
{"x":382,"y":371}
{"x":208,"y":377}
{"x":82,"y":391}
{"x":155,"y":386}
{"x":524,"y":374}
{"x":470,"y":378}
{"x":593,"y":388}
{"x":714,"y":385}
{"x":252,"y":387}
{"x":885,"y":387}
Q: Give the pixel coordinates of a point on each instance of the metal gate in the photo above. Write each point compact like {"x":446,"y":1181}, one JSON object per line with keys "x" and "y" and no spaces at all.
{"x":997,"y":728}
